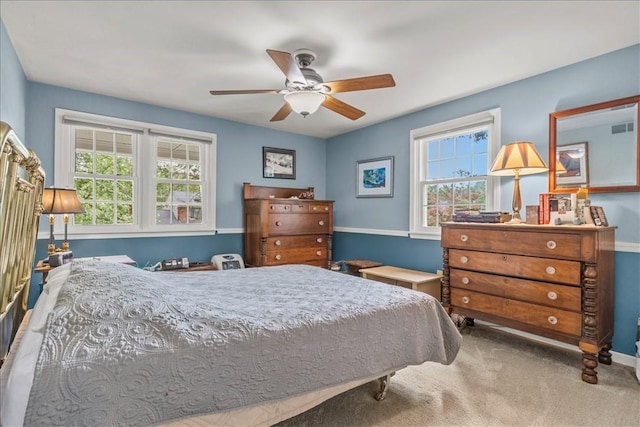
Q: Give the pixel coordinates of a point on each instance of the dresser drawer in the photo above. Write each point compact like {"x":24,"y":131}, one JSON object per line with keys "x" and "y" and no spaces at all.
{"x":294,"y":224}
{"x":295,"y":256}
{"x":559,"y":296}
{"x":562,"y":321}
{"x":533,"y":243}
{"x":293,"y":242}
{"x":288,"y":207}
{"x":549,"y":270}
{"x":319,"y":207}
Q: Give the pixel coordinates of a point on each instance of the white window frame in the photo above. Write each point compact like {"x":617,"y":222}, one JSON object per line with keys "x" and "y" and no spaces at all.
{"x":144,"y":175}
{"x":491,"y":117}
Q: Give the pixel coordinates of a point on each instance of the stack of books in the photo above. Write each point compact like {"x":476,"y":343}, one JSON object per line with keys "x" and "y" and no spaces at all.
{"x":480,"y":216}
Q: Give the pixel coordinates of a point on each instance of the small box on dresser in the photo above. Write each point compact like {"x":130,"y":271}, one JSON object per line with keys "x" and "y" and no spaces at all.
{"x":556,"y":282}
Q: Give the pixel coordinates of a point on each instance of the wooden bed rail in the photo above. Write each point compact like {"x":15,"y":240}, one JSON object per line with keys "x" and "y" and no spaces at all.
{"x":21,"y":186}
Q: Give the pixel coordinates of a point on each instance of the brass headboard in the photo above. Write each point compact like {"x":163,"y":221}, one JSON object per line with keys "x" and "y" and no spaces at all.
{"x":21,"y":185}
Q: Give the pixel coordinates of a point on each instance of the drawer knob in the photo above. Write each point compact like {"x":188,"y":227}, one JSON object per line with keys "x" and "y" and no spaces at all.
{"x":465,"y":280}
{"x":464,"y":237}
{"x":551,"y":244}
{"x":278,"y":223}
{"x":278,"y":243}
{"x":465,"y":300}
{"x":286,"y":207}
{"x":550,"y":270}
{"x":319,"y":240}
{"x":326,"y":208}
{"x":278,"y":257}
{"x":320,"y":222}
{"x":464,"y":259}
{"x":319,"y":253}
{"x":552,"y":319}
{"x":552,"y":295}
{"x":315,"y":208}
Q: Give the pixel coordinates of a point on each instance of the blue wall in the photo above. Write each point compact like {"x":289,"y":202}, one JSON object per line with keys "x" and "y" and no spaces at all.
{"x":329,"y":166}
{"x":14,"y":86}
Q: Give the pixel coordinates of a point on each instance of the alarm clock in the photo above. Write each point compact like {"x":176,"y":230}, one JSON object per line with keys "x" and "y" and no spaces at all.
{"x":227,"y":261}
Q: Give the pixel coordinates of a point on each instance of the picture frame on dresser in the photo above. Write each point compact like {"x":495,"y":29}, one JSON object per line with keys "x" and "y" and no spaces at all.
{"x":278,"y":163}
{"x":374,"y":177}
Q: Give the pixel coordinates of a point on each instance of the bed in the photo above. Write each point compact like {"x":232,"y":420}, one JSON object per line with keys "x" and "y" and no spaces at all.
{"x":110,"y":344}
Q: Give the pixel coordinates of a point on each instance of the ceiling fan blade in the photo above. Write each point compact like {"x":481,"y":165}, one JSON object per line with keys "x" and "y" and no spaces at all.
{"x":361,"y":83}
{"x":288,"y":65}
{"x":242,"y":92}
{"x":282,"y":113}
{"x":343,"y":108}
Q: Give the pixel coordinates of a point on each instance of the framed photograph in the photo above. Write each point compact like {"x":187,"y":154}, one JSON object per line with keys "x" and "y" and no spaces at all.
{"x":278,"y":163}
{"x":374,"y":177}
{"x":574,"y":158}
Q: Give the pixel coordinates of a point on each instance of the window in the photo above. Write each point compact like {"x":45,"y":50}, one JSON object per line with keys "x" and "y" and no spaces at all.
{"x":450,"y":162}
{"x":134,"y":177}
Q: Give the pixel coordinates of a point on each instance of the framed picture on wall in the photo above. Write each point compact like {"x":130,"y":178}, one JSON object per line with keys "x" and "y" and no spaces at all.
{"x":574,"y":159}
{"x":278,"y":163}
{"x":374,"y":177}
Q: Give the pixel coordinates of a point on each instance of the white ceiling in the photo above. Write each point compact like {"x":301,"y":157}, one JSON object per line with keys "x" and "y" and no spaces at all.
{"x":171,"y":53}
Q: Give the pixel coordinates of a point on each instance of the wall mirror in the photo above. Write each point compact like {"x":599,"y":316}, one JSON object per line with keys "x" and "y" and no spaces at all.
{"x":596,"y":145}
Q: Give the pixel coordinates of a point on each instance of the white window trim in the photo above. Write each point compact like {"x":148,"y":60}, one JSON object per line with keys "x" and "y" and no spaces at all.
{"x":416,"y":230}
{"x":64,"y":159}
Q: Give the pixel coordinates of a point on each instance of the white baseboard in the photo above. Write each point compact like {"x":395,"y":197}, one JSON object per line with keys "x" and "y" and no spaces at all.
{"x":620,"y":358}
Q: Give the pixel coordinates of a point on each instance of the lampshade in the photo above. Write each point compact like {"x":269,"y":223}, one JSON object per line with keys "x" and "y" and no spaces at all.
{"x":560,"y":167}
{"x":520,"y":156}
{"x":304,"y":102}
{"x":61,"y":201}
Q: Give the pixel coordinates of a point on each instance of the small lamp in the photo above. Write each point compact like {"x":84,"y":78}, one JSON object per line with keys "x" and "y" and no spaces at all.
{"x":518,"y":158}
{"x":304,"y":102}
{"x":60,"y":201}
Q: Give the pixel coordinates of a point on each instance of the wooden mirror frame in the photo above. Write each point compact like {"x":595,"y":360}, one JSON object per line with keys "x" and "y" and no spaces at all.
{"x":553,"y":117}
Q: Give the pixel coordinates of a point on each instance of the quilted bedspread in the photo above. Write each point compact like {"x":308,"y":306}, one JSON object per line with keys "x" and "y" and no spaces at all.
{"x":123,"y":346}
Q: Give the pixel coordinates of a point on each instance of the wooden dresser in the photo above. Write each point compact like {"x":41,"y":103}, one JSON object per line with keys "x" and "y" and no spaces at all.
{"x":281,"y":230}
{"x":553,"y":281}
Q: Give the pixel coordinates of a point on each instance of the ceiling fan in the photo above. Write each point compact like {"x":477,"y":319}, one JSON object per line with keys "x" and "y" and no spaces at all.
{"x":305,"y":91}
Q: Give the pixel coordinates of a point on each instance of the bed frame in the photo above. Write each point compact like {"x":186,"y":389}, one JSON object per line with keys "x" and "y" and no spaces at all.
{"x":21,"y":186}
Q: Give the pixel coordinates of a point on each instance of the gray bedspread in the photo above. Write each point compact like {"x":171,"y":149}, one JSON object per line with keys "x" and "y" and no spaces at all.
{"x":123,"y":346}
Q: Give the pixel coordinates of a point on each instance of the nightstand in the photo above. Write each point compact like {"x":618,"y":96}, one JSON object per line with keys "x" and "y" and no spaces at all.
{"x":43,"y":268}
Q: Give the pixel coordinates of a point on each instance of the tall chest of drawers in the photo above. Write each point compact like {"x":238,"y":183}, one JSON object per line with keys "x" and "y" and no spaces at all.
{"x":281,"y":230}
{"x":552,"y":281}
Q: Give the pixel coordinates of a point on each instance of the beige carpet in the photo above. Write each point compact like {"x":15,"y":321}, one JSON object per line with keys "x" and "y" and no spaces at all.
{"x":498,"y":379}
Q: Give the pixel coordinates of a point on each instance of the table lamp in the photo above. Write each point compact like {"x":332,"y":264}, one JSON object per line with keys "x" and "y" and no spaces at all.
{"x":518,"y":158}
{"x":60,"y":201}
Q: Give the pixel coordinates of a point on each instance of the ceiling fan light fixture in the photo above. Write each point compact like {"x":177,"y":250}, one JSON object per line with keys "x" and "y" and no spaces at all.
{"x":304,"y":102}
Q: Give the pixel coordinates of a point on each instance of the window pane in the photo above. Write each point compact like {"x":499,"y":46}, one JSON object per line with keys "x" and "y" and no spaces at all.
{"x":478,"y":193}
{"x":194,"y":172}
{"x":104,"y":142}
{"x":104,"y":213}
{"x":84,"y":188}
{"x":179,"y":170}
{"x":125,"y":191}
{"x":87,"y":217}
{"x":84,"y":139}
{"x":163,"y":169}
{"x":105,"y":164}
{"x":124,"y":166}
{"x":124,"y":144}
{"x":105,"y":189}
{"x":464,"y":167}
{"x":463,"y":145}
{"x":194,"y":152}
{"x":447,"y":148}
{"x":447,"y":168}
{"x":84,"y":162}
{"x":162,"y":192}
{"x":461,"y":194}
{"x":125,"y":213}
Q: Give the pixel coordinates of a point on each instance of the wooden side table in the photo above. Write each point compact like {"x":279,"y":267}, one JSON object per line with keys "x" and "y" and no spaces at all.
{"x":417,"y":280}
{"x":44,"y":269}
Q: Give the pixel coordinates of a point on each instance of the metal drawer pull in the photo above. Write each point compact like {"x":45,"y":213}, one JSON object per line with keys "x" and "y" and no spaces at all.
{"x":320,"y":222}
{"x":465,"y":280}
{"x":278,"y":257}
{"x":552,"y":319}
{"x":550,"y":270}
{"x":465,"y":300}
{"x":319,"y":240}
{"x":319,"y":253}
{"x":278,"y":223}
{"x":464,"y":237}
{"x":464,"y":259}
{"x":551,"y":244}
{"x":278,"y":242}
{"x":552,"y":295}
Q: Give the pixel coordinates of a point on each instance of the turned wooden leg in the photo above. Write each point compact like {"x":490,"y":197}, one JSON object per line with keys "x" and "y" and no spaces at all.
{"x":604,"y":356}
{"x":384,"y":386}
{"x":590,"y":363}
